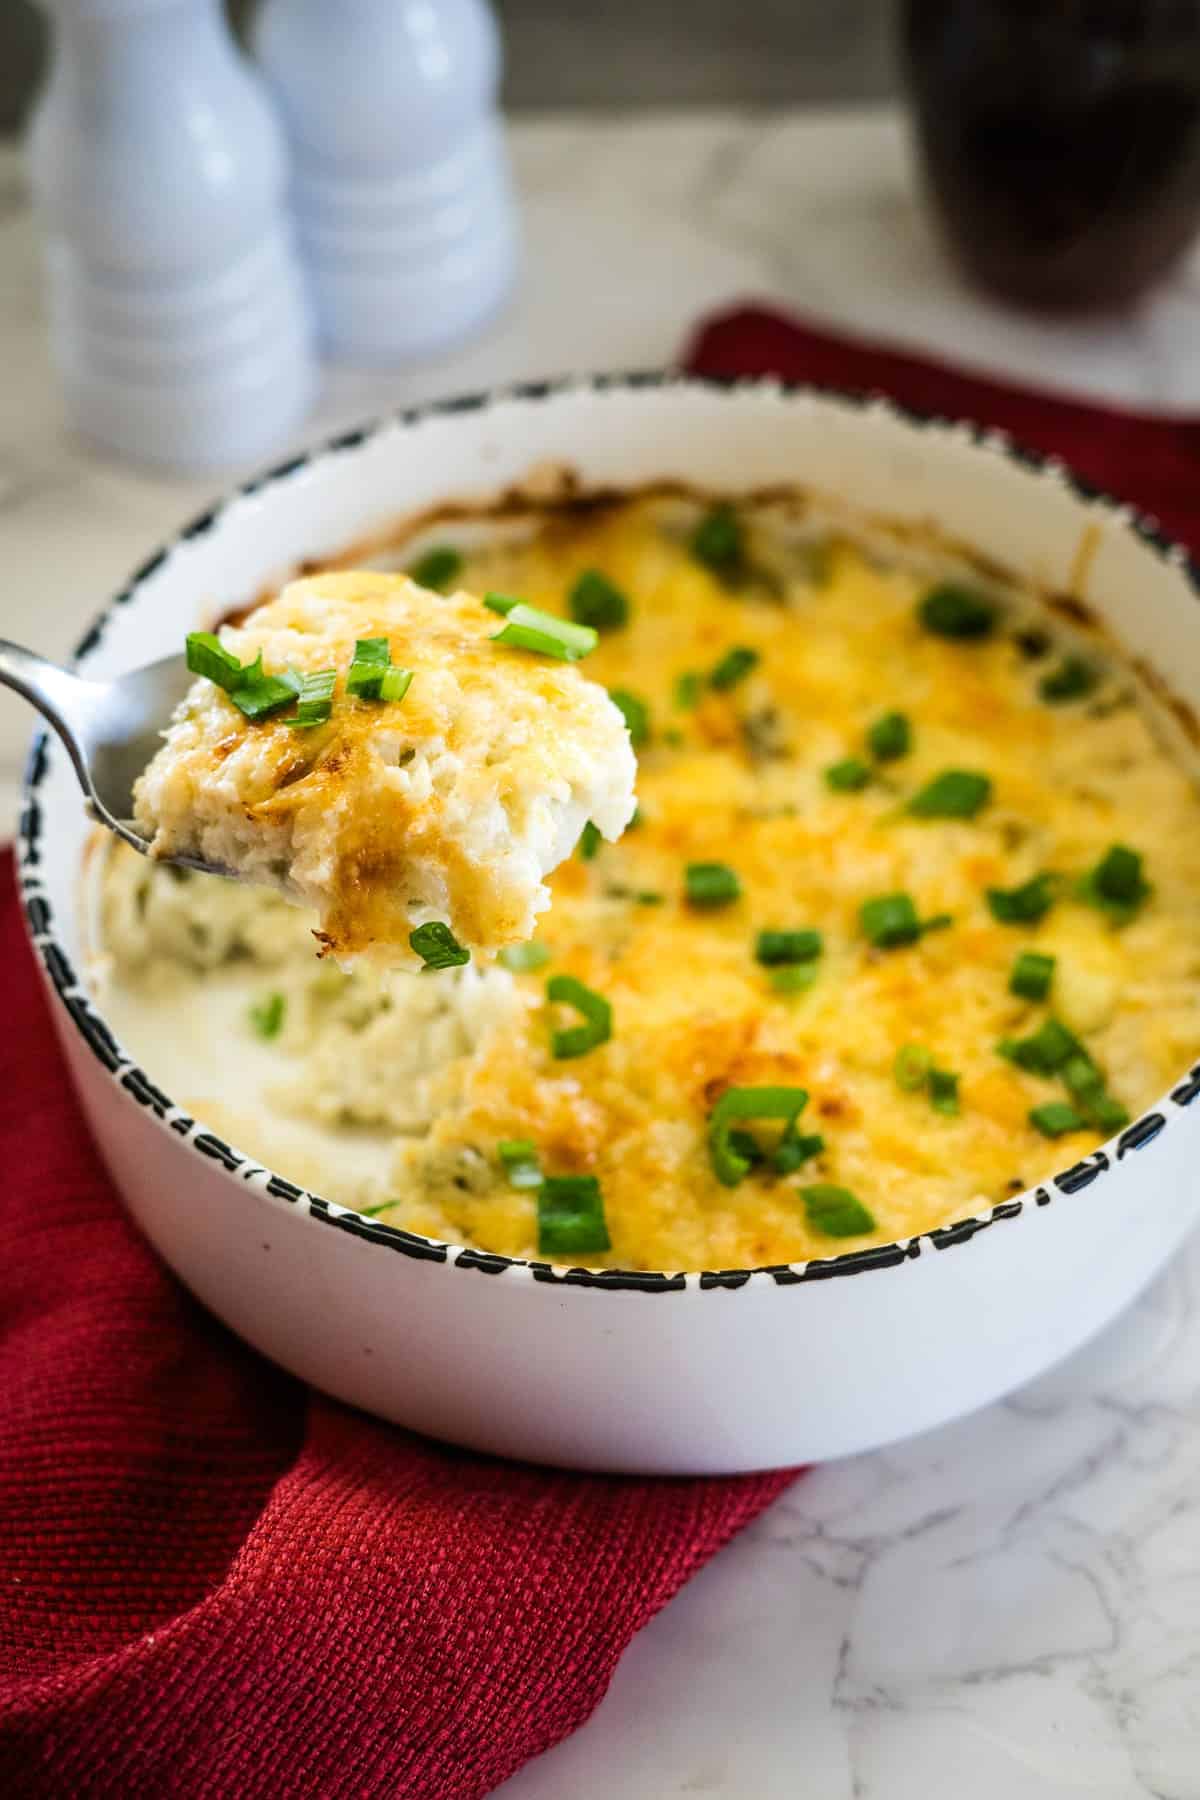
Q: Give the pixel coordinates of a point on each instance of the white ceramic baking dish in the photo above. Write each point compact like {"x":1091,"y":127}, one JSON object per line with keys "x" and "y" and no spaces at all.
{"x":678,"y":1371}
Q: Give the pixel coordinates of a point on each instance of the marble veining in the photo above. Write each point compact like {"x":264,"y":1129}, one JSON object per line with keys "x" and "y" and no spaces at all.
{"x":1008,"y":1604}
{"x":1007,"y":1607}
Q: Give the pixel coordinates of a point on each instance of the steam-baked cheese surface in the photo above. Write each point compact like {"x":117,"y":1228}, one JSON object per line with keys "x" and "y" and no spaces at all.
{"x":449,"y":804}
{"x":1019,"y":755}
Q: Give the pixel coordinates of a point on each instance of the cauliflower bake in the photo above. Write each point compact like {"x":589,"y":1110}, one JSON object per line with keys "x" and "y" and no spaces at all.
{"x":908,"y":919}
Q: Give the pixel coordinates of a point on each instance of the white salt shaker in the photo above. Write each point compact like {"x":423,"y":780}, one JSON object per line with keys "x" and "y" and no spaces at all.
{"x":400,"y":187}
{"x":178,"y":313}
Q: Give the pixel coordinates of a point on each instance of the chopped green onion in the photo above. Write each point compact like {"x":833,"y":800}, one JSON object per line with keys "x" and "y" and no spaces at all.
{"x":835,"y":1211}
{"x":943,"y":1092}
{"x":1085,"y":1084}
{"x":914,"y":1073}
{"x":711,"y":884}
{"x":1045,"y":1052}
{"x":577,"y":1040}
{"x":729,"y":1164}
{"x":373,"y":651}
{"x":1081,"y":1077}
{"x":373,"y":675}
{"x":437,"y":946}
{"x":1116,"y":885}
{"x":890,"y":737}
{"x":911,"y":1067}
{"x":571,"y":1216}
{"x":373,"y":1212}
{"x":1107,"y":1114}
{"x":525,"y":628}
{"x":207,"y":656}
{"x":635,"y":713}
{"x":733,"y":667}
{"x":718,"y":541}
{"x":371,"y":658}
{"x":747,"y":1146}
{"x":253,"y":692}
{"x":590,"y":840}
{"x":1072,"y":680}
{"x":501,"y":603}
{"x":267,"y":1016}
{"x":1118,"y":875}
{"x":954,"y":794}
{"x":787,"y":946}
{"x":1054,"y":1118}
{"x":639,"y":896}
{"x":793,"y":978}
{"x":596,"y":601}
{"x":951,"y":611}
{"x":259,"y":694}
{"x":1031,"y":975}
{"x":523,"y":959}
{"x":794,"y":1150}
{"x":438,"y":569}
{"x":253,"y":673}
{"x":315,"y":699}
{"x":520,"y":1159}
{"x":395,"y":683}
{"x":848,"y":776}
{"x":688,"y":688}
{"x":1023,"y":905}
{"x":890,"y":920}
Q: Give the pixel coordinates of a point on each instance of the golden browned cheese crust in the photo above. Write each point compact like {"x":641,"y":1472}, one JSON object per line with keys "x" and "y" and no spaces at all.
{"x":740,"y":778}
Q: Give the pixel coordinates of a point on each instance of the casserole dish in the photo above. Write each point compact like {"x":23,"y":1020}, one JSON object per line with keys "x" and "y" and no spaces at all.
{"x":671,"y":1371}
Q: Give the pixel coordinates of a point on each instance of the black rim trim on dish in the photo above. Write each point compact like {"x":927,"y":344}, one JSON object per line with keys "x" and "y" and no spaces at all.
{"x":137,"y":1084}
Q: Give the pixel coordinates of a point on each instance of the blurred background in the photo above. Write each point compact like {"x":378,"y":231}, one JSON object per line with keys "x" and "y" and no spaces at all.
{"x":638,"y":52}
{"x":206,"y":260}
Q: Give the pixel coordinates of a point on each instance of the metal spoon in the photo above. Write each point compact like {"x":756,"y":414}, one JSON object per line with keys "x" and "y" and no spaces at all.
{"x":110,"y":730}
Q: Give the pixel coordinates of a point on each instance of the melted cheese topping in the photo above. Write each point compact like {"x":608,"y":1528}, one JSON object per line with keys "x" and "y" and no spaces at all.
{"x":740,"y":779}
{"x":451,"y":804}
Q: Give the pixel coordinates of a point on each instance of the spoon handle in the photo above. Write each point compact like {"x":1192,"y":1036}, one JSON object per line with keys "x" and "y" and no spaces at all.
{"x":64,"y":700}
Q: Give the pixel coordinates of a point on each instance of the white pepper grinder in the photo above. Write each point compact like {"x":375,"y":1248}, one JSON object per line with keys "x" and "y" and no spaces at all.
{"x":179,"y":318}
{"x":400,"y":186}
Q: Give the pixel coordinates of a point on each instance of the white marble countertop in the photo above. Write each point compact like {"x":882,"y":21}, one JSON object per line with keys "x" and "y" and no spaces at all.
{"x":1010,"y":1605}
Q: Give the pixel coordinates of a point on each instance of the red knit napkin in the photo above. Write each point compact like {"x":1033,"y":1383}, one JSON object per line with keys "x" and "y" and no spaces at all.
{"x":216,"y":1583}
{"x":1144,"y":457}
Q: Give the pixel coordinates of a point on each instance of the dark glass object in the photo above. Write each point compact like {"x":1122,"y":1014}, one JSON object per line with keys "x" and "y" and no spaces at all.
{"x":1060,"y":140}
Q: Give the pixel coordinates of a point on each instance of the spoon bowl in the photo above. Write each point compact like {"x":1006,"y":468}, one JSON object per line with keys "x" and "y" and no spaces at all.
{"x":110,"y":730}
